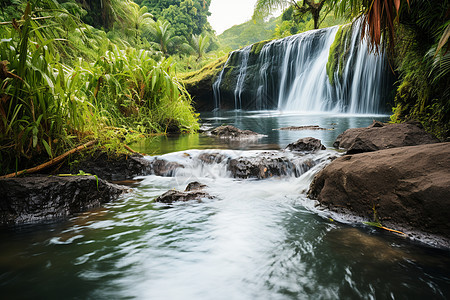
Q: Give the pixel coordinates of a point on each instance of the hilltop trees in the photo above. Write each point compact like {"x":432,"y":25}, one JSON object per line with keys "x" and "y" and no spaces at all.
{"x":264,"y":8}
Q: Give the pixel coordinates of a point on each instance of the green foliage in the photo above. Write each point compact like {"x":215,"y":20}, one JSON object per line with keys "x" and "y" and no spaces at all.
{"x":187,"y":17}
{"x":162,"y":36}
{"x":423,"y":92}
{"x":248,"y":33}
{"x":50,"y":99}
{"x":198,"y":45}
{"x":296,"y":9}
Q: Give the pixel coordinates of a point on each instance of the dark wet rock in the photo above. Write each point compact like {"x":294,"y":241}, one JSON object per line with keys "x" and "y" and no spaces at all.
{"x":380,"y":136}
{"x":194,"y":191}
{"x":229,"y":131}
{"x":44,"y":198}
{"x":194,"y":186}
{"x":211,"y":158}
{"x":408,"y":187}
{"x":109,"y":167}
{"x":267,"y":165}
{"x":163,"y":167}
{"x":308,"y":144}
{"x":310,"y":127}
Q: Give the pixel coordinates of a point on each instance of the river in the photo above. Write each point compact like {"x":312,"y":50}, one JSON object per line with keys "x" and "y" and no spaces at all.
{"x":257,"y":239}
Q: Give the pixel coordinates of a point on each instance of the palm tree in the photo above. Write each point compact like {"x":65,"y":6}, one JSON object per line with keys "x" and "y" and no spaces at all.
{"x":265,"y":7}
{"x":162,"y":35}
{"x":198,"y":45}
{"x":139,"y":18}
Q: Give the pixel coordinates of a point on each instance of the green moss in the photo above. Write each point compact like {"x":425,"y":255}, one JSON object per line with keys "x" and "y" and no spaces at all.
{"x":208,"y":72}
{"x":339,"y":52}
{"x":257,"y":47}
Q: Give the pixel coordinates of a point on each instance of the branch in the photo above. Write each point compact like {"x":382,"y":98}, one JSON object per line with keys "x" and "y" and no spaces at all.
{"x":52,"y":162}
{"x":21,"y":21}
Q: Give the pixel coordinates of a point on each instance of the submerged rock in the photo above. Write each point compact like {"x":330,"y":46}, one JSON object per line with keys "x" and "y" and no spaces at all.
{"x":44,"y":198}
{"x":229,"y":131}
{"x":405,"y":187}
{"x":309,"y":144}
{"x":193,"y":191}
{"x":380,"y":136}
{"x":267,"y":165}
{"x":310,"y":127}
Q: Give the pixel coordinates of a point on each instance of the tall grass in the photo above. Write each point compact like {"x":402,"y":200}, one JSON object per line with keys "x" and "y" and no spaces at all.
{"x":47,"y":106}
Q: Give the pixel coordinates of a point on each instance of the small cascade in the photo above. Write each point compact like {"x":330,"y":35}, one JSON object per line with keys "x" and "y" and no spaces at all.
{"x":231,"y":164}
{"x":290,"y":74}
{"x":241,"y":77}
{"x":216,"y":85}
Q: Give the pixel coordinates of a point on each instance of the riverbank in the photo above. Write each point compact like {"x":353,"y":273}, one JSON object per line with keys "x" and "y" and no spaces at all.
{"x":374,"y":192}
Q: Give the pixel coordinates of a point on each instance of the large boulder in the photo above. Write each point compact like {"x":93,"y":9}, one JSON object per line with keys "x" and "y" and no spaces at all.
{"x":44,"y":198}
{"x":380,"y":136}
{"x":406,"y":187}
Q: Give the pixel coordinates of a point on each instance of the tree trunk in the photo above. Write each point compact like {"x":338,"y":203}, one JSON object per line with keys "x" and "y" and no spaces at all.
{"x":316,"y":17}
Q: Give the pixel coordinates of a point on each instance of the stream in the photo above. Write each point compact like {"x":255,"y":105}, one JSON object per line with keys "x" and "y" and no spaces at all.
{"x":257,"y":239}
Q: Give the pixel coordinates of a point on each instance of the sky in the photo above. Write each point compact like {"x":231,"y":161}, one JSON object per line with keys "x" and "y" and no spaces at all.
{"x":226,"y":13}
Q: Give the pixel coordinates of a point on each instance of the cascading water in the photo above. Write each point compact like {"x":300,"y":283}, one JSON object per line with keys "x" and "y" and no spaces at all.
{"x":241,"y":77}
{"x":216,"y":86}
{"x":304,"y":83}
{"x":290,"y":74}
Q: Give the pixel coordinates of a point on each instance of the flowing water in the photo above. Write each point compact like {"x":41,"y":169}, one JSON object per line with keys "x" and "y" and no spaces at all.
{"x":258,"y":239}
{"x":290,"y":74}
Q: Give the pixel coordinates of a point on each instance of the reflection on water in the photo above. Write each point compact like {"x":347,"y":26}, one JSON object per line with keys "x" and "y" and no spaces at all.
{"x":258,"y":239}
{"x":264,"y":122}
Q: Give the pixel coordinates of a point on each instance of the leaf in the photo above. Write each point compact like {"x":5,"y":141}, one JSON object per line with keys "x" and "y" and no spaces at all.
{"x":444,"y":39}
{"x":47,"y":148}
{"x":154,"y":79}
{"x":35,"y":138}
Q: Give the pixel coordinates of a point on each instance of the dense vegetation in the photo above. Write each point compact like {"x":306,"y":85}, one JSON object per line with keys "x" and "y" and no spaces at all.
{"x":65,"y":82}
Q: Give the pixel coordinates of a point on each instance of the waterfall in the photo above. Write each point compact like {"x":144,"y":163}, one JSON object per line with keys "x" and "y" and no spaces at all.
{"x":290,"y":74}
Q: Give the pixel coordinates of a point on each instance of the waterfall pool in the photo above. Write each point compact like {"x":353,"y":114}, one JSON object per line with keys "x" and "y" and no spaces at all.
{"x":258,"y":239}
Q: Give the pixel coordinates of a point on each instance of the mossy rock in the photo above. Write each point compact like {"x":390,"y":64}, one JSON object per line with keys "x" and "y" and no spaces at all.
{"x":257,"y":47}
{"x":339,"y":52}
{"x":208,"y":72}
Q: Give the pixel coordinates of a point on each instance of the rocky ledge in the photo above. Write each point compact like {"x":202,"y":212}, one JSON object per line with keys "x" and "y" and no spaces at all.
{"x":45,"y":198}
{"x":111,"y":167}
{"x":405,"y":188}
